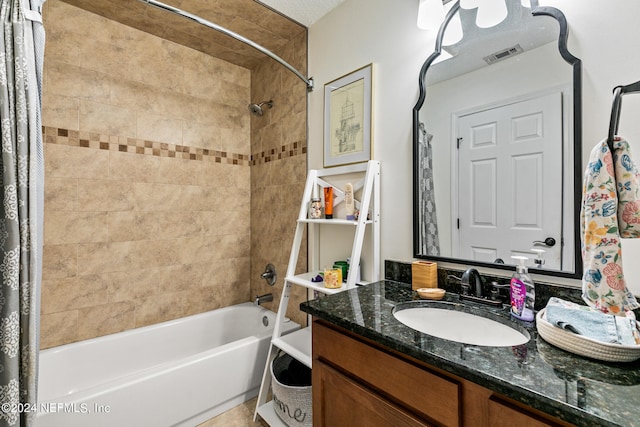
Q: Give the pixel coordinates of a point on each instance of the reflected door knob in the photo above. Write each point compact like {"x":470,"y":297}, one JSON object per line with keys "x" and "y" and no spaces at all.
{"x":548,"y":242}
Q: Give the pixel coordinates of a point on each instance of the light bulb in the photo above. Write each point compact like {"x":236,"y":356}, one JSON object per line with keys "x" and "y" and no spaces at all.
{"x":490,"y":13}
{"x":430,"y":14}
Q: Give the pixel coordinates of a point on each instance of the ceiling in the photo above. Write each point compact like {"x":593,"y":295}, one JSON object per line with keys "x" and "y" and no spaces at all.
{"x":304,"y":12}
{"x":265,"y":24}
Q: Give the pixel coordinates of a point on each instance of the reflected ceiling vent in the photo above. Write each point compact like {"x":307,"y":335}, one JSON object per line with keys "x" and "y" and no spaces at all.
{"x":503,"y":54}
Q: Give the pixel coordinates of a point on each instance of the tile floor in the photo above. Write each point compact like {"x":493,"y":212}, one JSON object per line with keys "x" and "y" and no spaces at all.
{"x":240,"y":416}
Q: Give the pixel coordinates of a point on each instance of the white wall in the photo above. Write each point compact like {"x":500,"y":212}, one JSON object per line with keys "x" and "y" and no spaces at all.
{"x":605,"y":35}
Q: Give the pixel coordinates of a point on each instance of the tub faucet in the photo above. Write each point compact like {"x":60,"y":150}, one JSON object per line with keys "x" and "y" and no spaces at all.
{"x":263,"y":298}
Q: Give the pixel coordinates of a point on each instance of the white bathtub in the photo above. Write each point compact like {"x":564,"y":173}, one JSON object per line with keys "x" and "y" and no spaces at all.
{"x":180,"y":372}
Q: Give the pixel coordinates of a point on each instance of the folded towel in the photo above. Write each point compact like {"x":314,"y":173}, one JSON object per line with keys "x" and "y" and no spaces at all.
{"x":591,"y":323}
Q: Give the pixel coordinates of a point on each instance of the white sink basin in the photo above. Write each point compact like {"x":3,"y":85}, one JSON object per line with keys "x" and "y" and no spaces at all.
{"x":459,"y":326}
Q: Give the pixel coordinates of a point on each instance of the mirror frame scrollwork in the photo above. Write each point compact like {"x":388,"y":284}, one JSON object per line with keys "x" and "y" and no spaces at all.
{"x":576,"y":65}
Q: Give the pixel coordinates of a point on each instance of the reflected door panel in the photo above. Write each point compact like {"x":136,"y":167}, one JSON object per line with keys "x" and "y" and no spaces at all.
{"x":510,"y":157}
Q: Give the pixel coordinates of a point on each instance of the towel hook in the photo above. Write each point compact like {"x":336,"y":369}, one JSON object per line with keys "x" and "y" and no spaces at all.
{"x":616,"y":109}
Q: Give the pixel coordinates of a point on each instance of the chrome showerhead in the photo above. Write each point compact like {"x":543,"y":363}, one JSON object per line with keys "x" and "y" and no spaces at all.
{"x":256,"y":109}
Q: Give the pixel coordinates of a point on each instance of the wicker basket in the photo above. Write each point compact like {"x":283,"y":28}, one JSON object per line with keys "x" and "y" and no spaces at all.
{"x":291,"y":403}
{"x":424,"y":274}
{"x":583,"y":346}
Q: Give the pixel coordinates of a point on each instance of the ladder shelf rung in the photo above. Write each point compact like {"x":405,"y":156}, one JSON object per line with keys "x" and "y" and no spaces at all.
{"x":268,"y":413}
{"x":297,"y":344}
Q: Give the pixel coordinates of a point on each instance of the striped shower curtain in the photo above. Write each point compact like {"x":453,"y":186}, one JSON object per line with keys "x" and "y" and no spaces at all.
{"x":21,"y":214}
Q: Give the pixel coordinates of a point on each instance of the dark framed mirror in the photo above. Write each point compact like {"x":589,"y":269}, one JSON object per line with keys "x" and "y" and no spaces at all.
{"x":497,"y":142}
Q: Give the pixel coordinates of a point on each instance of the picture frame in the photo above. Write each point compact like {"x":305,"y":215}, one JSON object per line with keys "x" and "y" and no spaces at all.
{"x":347,"y":118}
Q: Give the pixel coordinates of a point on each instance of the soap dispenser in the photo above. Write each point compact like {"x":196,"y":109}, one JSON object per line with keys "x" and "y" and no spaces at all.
{"x":522,"y":292}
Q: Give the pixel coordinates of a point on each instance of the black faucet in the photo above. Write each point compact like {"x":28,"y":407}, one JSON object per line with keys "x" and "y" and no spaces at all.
{"x":472,"y":279}
{"x":472,"y":288}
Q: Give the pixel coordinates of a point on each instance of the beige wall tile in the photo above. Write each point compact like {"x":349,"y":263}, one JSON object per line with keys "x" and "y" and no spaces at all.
{"x":132,"y":225}
{"x":61,"y":194}
{"x":106,"y":196}
{"x":71,"y":81}
{"x":205,"y":135}
{"x":234,"y":271}
{"x":105,"y":319}
{"x":62,"y":228}
{"x":155,"y":127}
{"x":62,"y":161}
{"x":178,"y":171}
{"x":111,"y":60}
{"x":159,"y":308}
{"x":157,"y":64}
{"x":60,"y":111}
{"x":109,"y":119}
{"x":198,"y":64}
{"x":158,"y":197}
{"x":71,"y":293}
{"x":133,"y":167}
{"x":59,"y":261}
{"x":58,"y":328}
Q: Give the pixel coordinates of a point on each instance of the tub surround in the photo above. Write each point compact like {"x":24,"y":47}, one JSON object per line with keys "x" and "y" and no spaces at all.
{"x":154,"y":167}
{"x":571,"y":388}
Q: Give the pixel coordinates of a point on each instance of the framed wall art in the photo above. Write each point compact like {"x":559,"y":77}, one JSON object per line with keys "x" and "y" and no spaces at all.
{"x":347,"y":118}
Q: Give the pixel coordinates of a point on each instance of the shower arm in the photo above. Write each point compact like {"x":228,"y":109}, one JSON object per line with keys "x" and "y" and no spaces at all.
{"x":202,"y":21}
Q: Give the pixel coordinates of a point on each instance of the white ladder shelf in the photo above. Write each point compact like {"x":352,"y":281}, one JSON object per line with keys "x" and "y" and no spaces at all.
{"x":298,"y":343}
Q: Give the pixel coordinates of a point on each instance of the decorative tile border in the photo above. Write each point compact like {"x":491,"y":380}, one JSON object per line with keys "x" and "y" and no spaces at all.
{"x":288,"y":150}
{"x":97,"y":141}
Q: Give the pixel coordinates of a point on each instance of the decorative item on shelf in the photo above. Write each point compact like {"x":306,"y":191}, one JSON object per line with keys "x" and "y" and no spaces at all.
{"x":347,"y":118}
{"x":431,"y":293}
{"x":424,"y":274}
{"x":328,"y":202}
{"x":344,"y":267}
{"x":315,"y":208}
{"x":349,"y":204}
{"x":333,"y":278}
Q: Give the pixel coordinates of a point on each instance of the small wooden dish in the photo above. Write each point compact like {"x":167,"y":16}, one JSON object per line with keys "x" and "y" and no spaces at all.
{"x":431,"y":293}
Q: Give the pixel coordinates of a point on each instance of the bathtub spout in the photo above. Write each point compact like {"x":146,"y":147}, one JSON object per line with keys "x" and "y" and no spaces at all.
{"x":263,"y":298}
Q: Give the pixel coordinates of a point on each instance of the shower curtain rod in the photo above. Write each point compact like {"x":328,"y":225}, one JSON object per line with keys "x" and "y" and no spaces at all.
{"x":202,"y":21}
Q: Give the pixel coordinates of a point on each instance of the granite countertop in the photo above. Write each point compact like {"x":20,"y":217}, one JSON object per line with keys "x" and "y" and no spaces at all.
{"x":573,"y":388}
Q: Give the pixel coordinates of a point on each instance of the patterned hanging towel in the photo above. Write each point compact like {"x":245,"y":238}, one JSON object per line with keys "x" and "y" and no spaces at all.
{"x":610,"y":210}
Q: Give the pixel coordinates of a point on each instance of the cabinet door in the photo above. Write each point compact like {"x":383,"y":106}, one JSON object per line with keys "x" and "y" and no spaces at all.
{"x":341,"y":401}
{"x":502,"y":414}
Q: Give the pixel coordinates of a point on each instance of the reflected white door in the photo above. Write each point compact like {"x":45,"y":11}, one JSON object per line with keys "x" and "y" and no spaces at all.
{"x":510,"y":181}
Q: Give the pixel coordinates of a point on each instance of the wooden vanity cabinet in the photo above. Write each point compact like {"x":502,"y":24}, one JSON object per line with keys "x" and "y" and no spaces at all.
{"x":359,"y":383}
